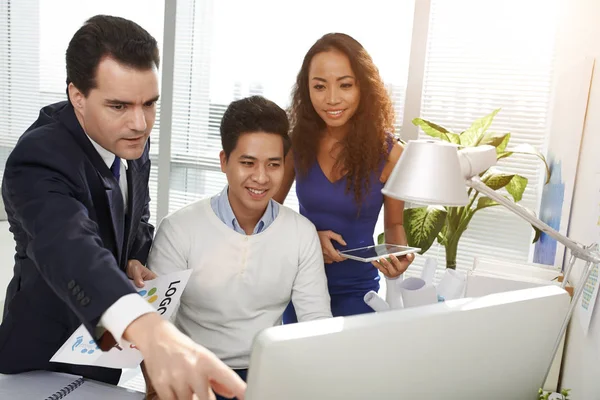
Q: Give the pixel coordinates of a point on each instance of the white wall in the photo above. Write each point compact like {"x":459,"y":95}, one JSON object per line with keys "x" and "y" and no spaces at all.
{"x":579,"y":37}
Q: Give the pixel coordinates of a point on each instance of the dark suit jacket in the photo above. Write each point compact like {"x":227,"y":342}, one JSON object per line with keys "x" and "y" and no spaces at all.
{"x":73,"y":240}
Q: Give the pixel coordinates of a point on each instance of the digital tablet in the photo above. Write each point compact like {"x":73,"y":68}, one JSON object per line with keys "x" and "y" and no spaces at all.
{"x":372,"y":253}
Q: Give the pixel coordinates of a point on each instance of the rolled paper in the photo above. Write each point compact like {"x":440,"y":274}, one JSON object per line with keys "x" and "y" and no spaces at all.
{"x":416,"y":292}
{"x":376,"y":302}
{"x":429,"y":268}
{"x":452,"y":285}
{"x":392,"y":295}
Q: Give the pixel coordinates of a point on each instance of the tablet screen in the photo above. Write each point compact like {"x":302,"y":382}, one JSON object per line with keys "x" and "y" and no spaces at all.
{"x":378,"y":251}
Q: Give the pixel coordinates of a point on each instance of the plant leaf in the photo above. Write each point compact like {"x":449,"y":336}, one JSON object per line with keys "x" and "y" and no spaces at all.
{"x":381,"y":238}
{"x":529,"y":149}
{"x":499,"y":141}
{"x":473,"y":135}
{"x":422,"y":225}
{"x":496,"y":179}
{"x":516,"y":187}
{"x":538,"y":234}
{"x":485,"y":202}
{"x":504,"y":154}
{"x":442,"y":237}
{"x":436,"y":131}
{"x":453,"y":138}
{"x":430,"y":128}
{"x":502,"y":146}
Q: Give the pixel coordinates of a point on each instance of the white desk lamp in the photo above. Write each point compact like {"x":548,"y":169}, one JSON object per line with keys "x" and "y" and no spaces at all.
{"x":437,"y":173}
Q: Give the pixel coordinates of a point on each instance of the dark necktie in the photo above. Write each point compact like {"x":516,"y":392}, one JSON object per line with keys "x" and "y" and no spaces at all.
{"x":115,"y":168}
{"x":107,"y":341}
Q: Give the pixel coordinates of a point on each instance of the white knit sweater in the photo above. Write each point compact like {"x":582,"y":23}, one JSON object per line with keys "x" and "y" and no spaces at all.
{"x":240,"y":284}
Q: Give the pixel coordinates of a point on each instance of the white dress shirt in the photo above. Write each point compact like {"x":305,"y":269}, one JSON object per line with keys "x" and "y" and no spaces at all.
{"x":108,"y":159}
{"x":131,"y":306}
{"x":222,"y":207}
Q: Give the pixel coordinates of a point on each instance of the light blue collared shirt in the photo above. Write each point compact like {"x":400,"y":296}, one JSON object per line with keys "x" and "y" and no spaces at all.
{"x":221,"y":206}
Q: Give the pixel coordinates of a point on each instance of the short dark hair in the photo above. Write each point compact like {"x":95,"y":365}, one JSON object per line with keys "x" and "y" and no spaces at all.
{"x":106,"y":36}
{"x":253,"y":114}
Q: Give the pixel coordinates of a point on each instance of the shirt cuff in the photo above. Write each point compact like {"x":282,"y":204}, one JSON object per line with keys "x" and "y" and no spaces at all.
{"x":122,"y":313}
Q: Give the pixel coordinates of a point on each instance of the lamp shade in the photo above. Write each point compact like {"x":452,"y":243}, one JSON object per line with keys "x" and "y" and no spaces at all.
{"x":428,"y":172}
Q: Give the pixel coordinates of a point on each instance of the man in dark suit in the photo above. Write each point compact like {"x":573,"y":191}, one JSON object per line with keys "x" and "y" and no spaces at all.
{"x":75,"y":190}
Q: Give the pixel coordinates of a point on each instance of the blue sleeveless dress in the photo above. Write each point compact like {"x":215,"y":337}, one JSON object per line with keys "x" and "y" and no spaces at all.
{"x":327,"y":205}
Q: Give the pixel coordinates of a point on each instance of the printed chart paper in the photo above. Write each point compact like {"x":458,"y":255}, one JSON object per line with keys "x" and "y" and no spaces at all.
{"x":163,"y":293}
{"x":590,"y":288}
{"x":588,"y":299}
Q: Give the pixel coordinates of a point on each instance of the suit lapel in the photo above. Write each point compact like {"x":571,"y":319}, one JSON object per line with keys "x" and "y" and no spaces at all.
{"x":138,"y":173}
{"x":113,"y":195}
{"x":68,"y":118}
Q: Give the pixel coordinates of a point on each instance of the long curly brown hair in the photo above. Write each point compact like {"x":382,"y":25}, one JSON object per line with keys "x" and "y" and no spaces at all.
{"x":365,"y":146}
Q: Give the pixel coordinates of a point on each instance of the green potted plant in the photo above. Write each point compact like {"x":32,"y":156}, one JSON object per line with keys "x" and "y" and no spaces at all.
{"x":562,"y":395}
{"x":424,"y":225}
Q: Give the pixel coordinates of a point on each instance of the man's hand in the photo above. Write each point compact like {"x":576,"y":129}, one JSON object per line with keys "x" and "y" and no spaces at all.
{"x":178,"y":367}
{"x":139,"y":273}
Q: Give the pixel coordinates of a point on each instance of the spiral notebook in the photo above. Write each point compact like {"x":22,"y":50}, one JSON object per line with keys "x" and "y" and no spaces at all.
{"x":45,"y":385}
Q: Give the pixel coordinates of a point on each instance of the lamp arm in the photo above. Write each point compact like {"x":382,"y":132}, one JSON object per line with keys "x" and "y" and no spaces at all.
{"x":576,"y":249}
{"x":589,"y":254}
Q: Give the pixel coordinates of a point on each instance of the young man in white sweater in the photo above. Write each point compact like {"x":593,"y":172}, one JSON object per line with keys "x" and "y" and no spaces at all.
{"x":250,"y":255}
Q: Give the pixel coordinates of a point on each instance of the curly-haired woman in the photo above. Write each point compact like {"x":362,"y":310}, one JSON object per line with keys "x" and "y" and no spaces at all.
{"x":343,"y":150}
